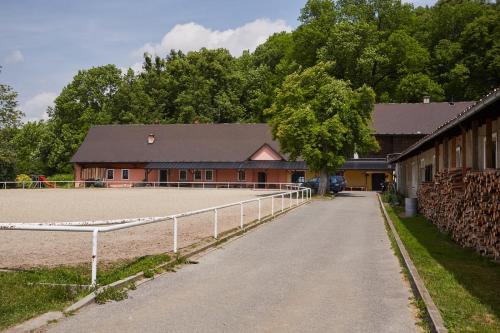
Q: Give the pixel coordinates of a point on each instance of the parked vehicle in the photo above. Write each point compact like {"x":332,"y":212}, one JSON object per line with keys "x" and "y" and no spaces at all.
{"x":336,"y":184}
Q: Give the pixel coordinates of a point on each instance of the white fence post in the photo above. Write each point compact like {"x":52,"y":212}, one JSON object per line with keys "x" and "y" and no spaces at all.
{"x":175,"y":234}
{"x":272,"y":206}
{"x":297,"y":198}
{"x":282,"y":202}
{"x":241,"y":215}
{"x":94,"y":257}
{"x":259,"y":209}
{"x":290,"y":200}
{"x":215,"y":223}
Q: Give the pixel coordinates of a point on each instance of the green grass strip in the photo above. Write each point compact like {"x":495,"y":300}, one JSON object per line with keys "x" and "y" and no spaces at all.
{"x":464,"y":285}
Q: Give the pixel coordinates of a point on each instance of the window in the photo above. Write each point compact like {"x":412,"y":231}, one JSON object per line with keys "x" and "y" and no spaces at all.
{"x":209,"y":175}
{"x":125,"y":174}
{"x":110,"y":174}
{"x":241,"y":175}
{"x":182,"y":175}
{"x":197,"y":175}
{"x":428,"y":173}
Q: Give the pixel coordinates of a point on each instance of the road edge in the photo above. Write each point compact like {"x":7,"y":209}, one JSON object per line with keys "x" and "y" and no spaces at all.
{"x":436,"y":320}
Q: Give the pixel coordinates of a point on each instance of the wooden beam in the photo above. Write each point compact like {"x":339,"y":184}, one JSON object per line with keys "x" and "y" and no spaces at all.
{"x":453,"y":153}
{"x":463,"y":151}
{"x":436,"y":154}
{"x":445,"y":153}
{"x":489,"y":144}
{"x":475,"y":150}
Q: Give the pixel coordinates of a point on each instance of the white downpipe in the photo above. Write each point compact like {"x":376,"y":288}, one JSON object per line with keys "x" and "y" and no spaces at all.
{"x":94,"y":257}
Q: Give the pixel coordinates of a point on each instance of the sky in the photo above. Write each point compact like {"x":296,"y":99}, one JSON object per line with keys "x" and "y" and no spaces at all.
{"x":43,"y":44}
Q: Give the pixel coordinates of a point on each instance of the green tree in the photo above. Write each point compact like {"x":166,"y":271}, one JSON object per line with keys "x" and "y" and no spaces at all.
{"x":30,"y":144}
{"x":413,"y":87}
{"x":322,"y":120}
{"x":88,"y":100}
{"x":10,"y":120}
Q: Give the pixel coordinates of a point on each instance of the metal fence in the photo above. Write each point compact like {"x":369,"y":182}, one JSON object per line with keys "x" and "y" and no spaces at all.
{"x":296,"y":196}
{"x":129,"y":184}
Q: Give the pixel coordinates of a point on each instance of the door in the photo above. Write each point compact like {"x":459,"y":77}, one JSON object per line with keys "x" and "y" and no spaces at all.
{"x":377,"y":180}
{"x":163,"y":177}
{"x":298,"y":177}
{"x":261,"y":179}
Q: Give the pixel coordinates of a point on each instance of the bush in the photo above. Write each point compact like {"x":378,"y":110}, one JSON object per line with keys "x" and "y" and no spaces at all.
{"x":23,"y":179}
{"x":61,"y":177}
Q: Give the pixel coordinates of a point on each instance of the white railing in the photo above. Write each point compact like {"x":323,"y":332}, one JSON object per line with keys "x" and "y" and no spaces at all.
{"x":302,"y":194}
{"x":130,"y":183}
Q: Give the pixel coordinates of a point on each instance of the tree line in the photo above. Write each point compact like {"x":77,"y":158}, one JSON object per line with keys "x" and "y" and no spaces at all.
{"x":382,"y":48}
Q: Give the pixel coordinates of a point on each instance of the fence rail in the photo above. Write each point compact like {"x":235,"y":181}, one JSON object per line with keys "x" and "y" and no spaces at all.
{"x":127,"y":183}
{"x":300,"y":194}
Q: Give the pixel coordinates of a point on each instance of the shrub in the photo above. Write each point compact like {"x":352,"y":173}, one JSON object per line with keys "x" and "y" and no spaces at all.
{"x":61,"y":177}
{"x":23,"y":179}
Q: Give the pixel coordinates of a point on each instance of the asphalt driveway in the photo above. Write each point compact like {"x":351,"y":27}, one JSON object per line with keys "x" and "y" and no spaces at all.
{"x":325,"y":267}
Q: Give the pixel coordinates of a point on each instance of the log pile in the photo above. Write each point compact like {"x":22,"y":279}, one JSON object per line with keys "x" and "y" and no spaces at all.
{"x":468,"y":208}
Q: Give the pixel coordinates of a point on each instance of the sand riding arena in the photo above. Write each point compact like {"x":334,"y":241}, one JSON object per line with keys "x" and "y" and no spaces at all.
{"x":24,"y":249}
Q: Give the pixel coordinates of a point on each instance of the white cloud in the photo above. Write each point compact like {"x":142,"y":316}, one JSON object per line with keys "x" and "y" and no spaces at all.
{"x":192,"y":36}
{"x":14,"y":57}
{"x":36,"y":107}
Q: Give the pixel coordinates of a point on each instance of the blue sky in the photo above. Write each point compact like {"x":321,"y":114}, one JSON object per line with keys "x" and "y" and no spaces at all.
{"x":44,"y":43}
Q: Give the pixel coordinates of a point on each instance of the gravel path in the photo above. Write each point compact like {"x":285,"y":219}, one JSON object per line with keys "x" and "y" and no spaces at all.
{"x":327,"y":267}
{"x":20,"y":249}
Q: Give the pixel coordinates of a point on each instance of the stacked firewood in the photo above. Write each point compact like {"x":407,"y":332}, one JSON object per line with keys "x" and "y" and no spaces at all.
{"x":468,"y":208}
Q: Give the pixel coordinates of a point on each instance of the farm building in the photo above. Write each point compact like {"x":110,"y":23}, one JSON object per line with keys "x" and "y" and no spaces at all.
{"x":184,"y":153}
{"x":455,"y":174}
{"x":243,"y":153}
{"x":397,"y":126}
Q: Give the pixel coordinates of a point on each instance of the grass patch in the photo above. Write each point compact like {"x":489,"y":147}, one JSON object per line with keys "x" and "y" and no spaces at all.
{"x":111,"y":294}
{"x":21,"y":297}
{"x":464,"y":285}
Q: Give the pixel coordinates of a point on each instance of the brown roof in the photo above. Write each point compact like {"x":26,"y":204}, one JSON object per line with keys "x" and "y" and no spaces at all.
{"x":414,"y":118}
{"x":472,"y":110}
{"x":174,"y":143}
{"x":236,"y":142}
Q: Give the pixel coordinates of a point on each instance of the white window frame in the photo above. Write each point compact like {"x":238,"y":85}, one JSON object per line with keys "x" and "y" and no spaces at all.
{"x":244,"y":179}
{"x":107,"y":174}
{"x":205,"y":174}
{"x":128,"y":174}
{"x":194,"y":175}
{"x":185,"y":173}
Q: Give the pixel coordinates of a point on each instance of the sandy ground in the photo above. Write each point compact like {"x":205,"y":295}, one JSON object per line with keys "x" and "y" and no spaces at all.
{"x":20,"y":249}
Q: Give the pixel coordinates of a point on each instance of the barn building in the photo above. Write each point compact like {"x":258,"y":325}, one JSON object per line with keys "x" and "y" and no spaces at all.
{"x":467,"y":142}
{"x":242,"y":153}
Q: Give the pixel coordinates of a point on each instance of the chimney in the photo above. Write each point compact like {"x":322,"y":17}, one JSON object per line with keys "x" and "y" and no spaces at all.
{"x":427,"y":99}
{"x":151,"y":138}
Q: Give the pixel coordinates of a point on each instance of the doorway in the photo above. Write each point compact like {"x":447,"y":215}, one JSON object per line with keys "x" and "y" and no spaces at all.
{"x":298,"y":177}
{"x":163,"y":177}
{"x":261,"y":179}
{"x":377,"y":180}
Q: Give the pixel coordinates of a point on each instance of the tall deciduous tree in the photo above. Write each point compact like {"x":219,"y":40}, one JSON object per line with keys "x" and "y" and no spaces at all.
{"x":322,"y":120}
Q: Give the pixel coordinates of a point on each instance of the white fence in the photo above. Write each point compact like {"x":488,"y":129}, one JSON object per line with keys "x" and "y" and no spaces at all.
{"x":296,"y":196}
{"x":127,"y":183}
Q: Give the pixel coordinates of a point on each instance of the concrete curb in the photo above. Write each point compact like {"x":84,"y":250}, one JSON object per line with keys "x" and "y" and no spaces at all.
{"x":43,"y":319}
{"x":436,"y":321}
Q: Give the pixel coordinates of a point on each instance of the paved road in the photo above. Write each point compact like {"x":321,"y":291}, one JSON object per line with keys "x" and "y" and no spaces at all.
{"x":326,"y":267}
